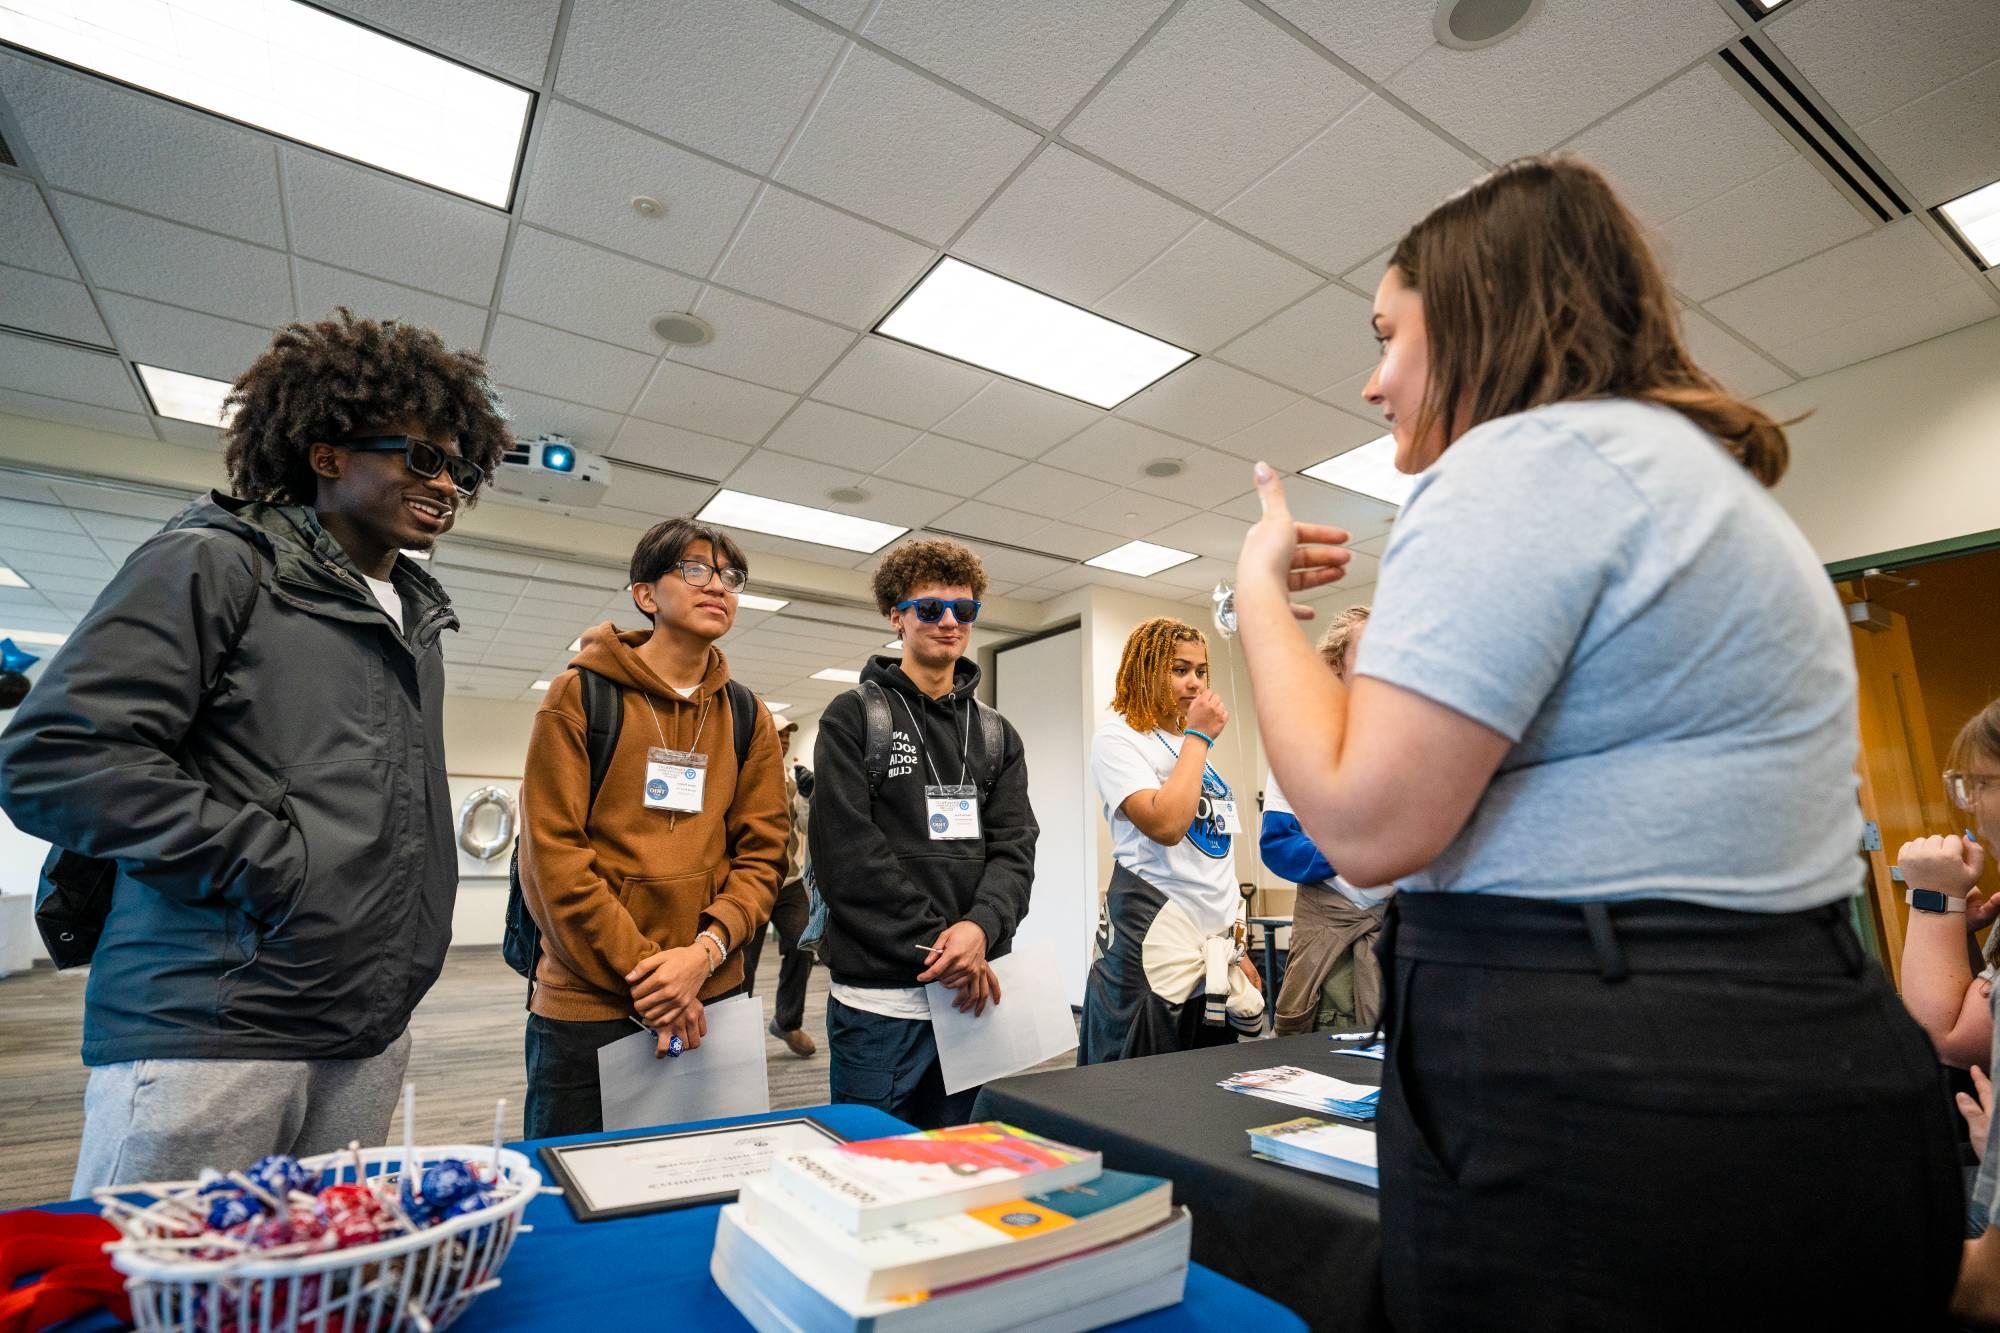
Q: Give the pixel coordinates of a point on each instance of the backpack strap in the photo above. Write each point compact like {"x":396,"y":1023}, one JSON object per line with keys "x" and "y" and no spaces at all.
{"x":992,"y":744}
{"x":603,"y":718}
{"x":742,"y":718}
{"x":878,"y":724}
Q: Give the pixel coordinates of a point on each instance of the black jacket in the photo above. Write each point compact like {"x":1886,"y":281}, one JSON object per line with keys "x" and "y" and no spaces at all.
{"x":889,"y":887}
{"x":239,"y":726}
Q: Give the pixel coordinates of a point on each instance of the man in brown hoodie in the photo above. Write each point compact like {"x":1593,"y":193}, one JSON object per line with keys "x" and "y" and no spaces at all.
{"x":646,"y":893}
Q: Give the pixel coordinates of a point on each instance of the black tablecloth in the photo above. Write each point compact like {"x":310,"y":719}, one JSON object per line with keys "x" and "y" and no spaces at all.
{"x":1308,"y":1242}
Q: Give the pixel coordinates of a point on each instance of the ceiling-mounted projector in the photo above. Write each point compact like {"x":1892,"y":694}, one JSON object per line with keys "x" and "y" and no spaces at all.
{"x":552,"y":471}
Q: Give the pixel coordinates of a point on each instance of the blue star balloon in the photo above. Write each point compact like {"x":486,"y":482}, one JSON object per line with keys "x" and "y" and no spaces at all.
{"x":13,"y":659}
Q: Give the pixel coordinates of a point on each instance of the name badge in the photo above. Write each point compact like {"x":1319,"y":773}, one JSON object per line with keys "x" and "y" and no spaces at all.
{"x":1224,"y":812}
{"x":951,"y":812}
{"x":675,"y":780}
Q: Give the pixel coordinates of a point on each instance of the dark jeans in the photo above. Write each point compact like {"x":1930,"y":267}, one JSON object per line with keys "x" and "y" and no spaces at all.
{"x":891,"y":1064}
{"x":788,"y":914}
{"x":564,"y":1096}
{"x":1654,"y":1116}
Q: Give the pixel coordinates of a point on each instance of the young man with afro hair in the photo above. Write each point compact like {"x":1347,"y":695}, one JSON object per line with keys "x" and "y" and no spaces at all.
{"x":922,"y":840}
{"x":244,"y":740}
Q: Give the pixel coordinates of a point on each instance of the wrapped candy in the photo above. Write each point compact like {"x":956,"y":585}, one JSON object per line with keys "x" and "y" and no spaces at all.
{"x":231,"y":1208}
{"x":280,"y":1174}
{"x":350,"y":1214}
{"x":447,"y":1182}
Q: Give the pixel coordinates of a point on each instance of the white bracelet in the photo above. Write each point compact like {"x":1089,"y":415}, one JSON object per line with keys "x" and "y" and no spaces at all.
{"x":721,"y":949}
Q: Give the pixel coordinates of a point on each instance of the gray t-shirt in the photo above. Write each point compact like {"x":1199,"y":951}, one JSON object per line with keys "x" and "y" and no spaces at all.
{"x":1604,"y":585}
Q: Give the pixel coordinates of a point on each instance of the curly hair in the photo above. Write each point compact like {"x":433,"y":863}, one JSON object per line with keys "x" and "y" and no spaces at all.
{"x":320,"y":382}
{"x":933,"y":560}
{"x":1144,"y":695}
{"x":1340,"y":632}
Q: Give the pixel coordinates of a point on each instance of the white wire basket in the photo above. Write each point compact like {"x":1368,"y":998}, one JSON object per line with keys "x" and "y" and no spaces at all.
{"x":422,"y":1280}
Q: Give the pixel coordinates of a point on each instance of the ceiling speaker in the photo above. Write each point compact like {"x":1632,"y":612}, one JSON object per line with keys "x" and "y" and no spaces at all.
{"x":683,"y":330}
{"x":1467,"y":25}
{"x":1164,"y":467}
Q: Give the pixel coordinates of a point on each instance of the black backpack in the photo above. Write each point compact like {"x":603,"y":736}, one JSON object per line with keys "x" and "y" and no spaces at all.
{"x":603,"y":716}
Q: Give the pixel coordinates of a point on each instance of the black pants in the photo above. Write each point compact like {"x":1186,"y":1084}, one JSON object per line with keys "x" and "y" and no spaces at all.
{"x":891,"y":1064}
{"x":788,"y":913}
{"x":1654,"y":1116}
{"x":564,"y":1096}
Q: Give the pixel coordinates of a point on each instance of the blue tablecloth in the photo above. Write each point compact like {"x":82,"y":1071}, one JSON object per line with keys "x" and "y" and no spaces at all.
{"x":634,"y":1272}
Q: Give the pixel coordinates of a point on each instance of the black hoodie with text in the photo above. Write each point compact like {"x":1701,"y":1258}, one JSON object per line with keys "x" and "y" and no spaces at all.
{"x":890,"y":888}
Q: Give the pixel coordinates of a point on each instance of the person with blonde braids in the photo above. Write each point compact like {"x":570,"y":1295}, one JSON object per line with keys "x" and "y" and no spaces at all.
{"x":1169,"y":975}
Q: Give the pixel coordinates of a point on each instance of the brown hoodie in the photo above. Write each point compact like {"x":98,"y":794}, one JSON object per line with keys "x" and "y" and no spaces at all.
{"x":613,"y":883}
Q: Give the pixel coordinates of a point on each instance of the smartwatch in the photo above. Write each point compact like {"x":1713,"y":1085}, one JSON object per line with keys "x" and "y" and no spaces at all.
{"x":1930,"y":900}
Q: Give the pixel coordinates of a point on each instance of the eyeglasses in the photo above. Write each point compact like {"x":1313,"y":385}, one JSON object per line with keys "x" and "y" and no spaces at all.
{"x":1965,"y":789}
{"x":423,"y":459}
{"x":930,"y":610}
{"x":697,"y":573}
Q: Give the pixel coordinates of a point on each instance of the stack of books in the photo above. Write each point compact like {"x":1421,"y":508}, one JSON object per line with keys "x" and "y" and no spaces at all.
{"x":1306,"y":1090}
{"x":1341,"y":1151}
{"x":973,"y":1229}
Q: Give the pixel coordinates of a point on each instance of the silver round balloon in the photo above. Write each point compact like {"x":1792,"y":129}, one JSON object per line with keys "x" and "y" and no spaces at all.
{"x":486,"y":847}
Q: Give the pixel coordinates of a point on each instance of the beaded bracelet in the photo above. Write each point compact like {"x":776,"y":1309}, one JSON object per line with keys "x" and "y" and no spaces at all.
{"x":1190,"y":731}
{"x":721,"y":949}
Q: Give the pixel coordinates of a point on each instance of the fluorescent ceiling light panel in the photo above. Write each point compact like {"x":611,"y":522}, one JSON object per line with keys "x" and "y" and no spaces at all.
{"x":1369,"y":470}
{"x":542,"y":684}
{"x":416,"y":555}
{"x":576,"y":644}
{"x":778,"y":518}
{"x":1976,"y":219}
{"x":185,"y":397}
{"x":1140,"y":558}
{"x":750,"y":601}
{"x":894,"y":646}
{"x":775,"y":708}
{"x":983,"y":319}
{"x":34,"y":637}
{"x":9,"y":579}
{"x":300,"y":73}
{"x":840,"y":674}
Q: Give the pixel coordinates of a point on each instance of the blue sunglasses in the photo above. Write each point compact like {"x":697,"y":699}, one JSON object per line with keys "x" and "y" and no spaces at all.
{"x":930,"y":610}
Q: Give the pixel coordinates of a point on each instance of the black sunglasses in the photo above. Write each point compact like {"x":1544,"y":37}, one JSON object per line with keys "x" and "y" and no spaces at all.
{"x":422,"y":458}
{"x":930,"y":610}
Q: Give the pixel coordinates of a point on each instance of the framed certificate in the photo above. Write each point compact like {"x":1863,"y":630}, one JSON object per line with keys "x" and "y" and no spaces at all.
{"x":649,"y":1173}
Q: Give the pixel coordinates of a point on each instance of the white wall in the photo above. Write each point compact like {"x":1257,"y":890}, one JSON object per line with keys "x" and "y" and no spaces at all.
{"x":1900,"y":451}
{"x":1062,"y":911}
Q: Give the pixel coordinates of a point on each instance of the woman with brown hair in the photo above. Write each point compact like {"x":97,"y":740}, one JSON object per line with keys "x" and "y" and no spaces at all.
{"x":1171,"y":974}
{"x":1640,"y":1074}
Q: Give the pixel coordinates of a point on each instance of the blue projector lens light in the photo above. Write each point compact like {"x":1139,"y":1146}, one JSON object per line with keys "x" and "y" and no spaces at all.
{"x":557,"y":458}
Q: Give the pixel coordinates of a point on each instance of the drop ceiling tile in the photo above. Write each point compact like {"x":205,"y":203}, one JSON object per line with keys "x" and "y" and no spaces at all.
{"x":1018,"y":419}
{"x":615,"y":517}
{"x":54,"y":371}
{"x":1316,"y":502}
{"x":663,"y":497}
{"x":532,"y":414}
{"x":470,"y":601}
{"x":1314,"y":343}
{"x":1944,"y":144}
{"x":1206,"y":288}
{"x":949,"y":465}
{"x":1756,"y":228}
{"x":1073,"y":541}
{"x":189,"y":435}
{"x":1890,"y":287}
{"x":898,"y":148}
{"x":720,"y":76}
{"x":321,"y":288}
{"x":508,"y":37}
{"x":1199,"y":576}
{"x":894,"y":380}
{"x":1682,"y":145}
{"x":1133,"y":514}
{"x":1215,"y":99}
{"x":119,"y":527}
{"x":558,"y":364}
{"x":711,"y":404}
{"x":766,"y":344}
{"x":840,"y":437}
{"x":1114,"y":450}
{"x":1867,"y":58}
{"x":1011,"y":568}
{"x":112,"y":499}
{"x":115,"y":143}
{"x":844,"y":12}
{"x":681,"y":450}
{"x":1040,"y":489}
{"x":50,"y":305}
{"x":1332,"y":205}
{"x":1212,"y":534}
{"x":175,"y":339}
{"x":1572,"y":62}
{"x":43,"y":408}
{"x":803,"y":254}
{"x":1110,"y":228}
{"x":28,"y":235}
{"x":1738,"y":365}
{"x":1034,"y":594}
{"x":1377,"y":39}
{"x":361,"y":219}
{"x":129,"y":252}
{"x":587,"y":170}
{"x":1303,"y":434}
{"x":1205,"y":400}
{"x":554,"y":280}
{"x":811,"y":552}
{"x":804,"y":481}
{"x":976,"y":518}
{"x":1348,"y":395}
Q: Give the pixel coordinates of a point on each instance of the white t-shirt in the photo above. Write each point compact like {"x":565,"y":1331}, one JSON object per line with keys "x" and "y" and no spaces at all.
{"x":385,"y":593}
{"x":1276,"y":804}
{"x":913,"y":1002}
{"x":1199,"y":871}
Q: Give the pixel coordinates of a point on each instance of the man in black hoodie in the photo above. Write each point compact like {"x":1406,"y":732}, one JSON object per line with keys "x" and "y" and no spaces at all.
{"x":245,"y":738}
{"x":924,"y":850}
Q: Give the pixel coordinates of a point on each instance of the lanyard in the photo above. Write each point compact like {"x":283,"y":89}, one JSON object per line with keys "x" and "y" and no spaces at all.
{"x":964,"y":744}
{"x":700,"y":719}
{"x":1207,"y":769}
